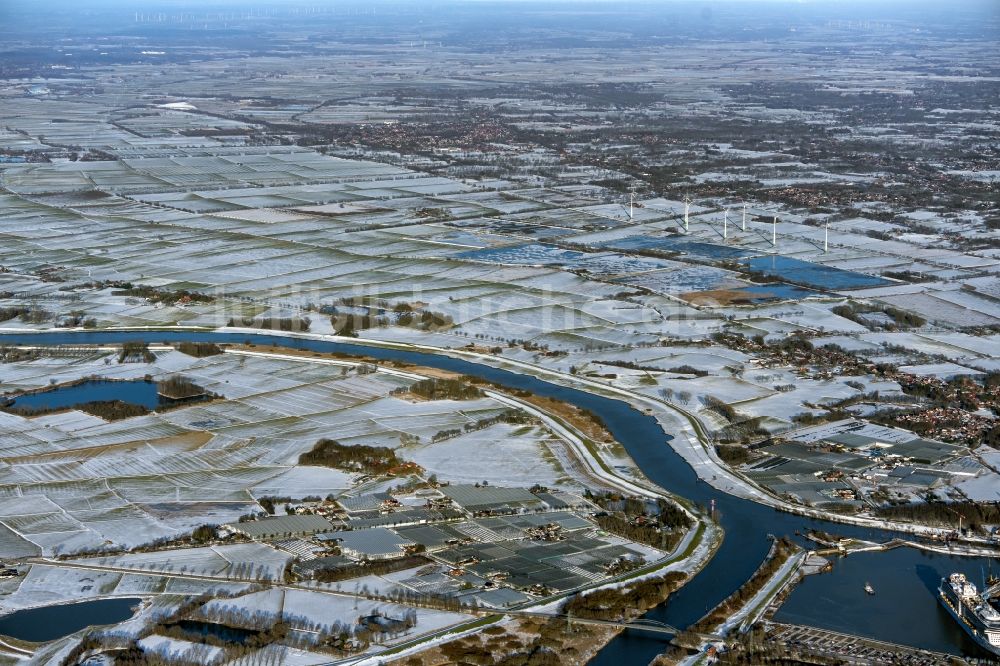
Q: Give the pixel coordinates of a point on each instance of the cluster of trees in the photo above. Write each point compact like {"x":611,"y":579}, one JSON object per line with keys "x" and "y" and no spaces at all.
{"x":364,"y":302}
{"x":665,"y":513}
{"x":425,"y":319}
{"x":155,"y":295}
{"x":410,"y":597}
{"x":435,"y":388}
{"x":287,"y":324}
{"x":622,"y":603}
{"x":905,"y":319}
{"x":373,"y":460}
{"x":908,"y":276}
{"x":682,"y":396}
{"x":512,"y":416}
{"x":112,"y":410}
{"x":268,"y":502}
{"x":856,"y":312}
{"x":136,"y":352}
{"x":350,"y":324}
{"x":204,"y":533}
{"x":179,"y":387}
{"x":15,"y":355}
{"x":77,"y":319}
{"x":739,"y":428}
{"x":689,"y":370}
{"x":732,"y":455}
{"x":375,"y":314}
{"x":538,"y":643}
{"x":380,"y":623}
{"x":26,"y":313}
{"x":447,"y":433}
{"x":624,"y":565}
{"x":369,"y":568}
{"x":631,"y":365}
{"x":647,"y":533}
{"x":743,"y":431}
{"x":991,"y":436}
{"x":199,"y":349}
{"x":437,"y":214}
{"x":723,"y":409}
{"x":636,"y":519}
{"x":93,"y":641}
{"x":810,"y":418}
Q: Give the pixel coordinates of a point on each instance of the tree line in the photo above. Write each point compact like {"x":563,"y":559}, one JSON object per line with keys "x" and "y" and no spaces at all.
{"x":286,"y":324}
{"x":626,"y":602}
{"x":974,"y":514}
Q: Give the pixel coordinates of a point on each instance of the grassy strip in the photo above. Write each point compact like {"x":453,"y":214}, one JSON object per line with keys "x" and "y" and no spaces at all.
{"x":781,"y":552}
{"x":462,"y":628}
{"x":769,"y":598}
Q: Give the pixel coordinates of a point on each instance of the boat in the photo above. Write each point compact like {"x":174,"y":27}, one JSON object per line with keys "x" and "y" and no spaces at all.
{"x":869,"y":589}
{"x":978,"y":614}
{"x":991,"y":579}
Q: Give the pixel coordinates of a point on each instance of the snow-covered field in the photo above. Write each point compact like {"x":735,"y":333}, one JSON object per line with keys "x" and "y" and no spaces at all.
{"x":81,"y":483}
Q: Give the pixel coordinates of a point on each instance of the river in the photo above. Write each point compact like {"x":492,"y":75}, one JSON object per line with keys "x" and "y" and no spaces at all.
{"x":905,"y":578}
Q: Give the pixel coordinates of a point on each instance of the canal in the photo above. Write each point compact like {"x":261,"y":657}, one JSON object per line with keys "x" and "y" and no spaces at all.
{"x":905,"y":578}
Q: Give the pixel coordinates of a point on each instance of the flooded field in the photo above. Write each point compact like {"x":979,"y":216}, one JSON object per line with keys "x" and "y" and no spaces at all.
{"x":813,"y":275}
{"x":682,"y":244}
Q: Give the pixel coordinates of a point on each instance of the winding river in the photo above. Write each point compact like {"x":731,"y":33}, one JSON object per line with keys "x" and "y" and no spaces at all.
{"x":904,"y":610}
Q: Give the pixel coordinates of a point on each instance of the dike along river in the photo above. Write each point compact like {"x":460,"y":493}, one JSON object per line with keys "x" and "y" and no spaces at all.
{"x":904,"y":609}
